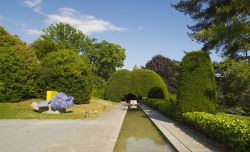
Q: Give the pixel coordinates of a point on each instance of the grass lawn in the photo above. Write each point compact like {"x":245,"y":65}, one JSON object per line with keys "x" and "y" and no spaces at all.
{"x":234,"y":116}
{"x":23,"y":110}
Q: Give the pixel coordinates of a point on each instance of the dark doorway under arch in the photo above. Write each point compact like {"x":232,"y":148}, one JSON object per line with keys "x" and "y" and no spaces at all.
{"x":129,"y":97}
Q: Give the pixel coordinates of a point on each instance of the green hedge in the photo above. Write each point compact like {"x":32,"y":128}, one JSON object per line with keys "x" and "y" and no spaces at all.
{"x":196,"y":89}
{"x":138,"y":82}
{"x":164,"y":106}
{"x":67,"y":71}
{"x":118,"y":85}
{"x":231,"y":132}
{"x":143,"y":81}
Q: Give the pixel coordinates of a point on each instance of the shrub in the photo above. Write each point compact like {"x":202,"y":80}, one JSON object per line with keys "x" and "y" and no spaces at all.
{"x":156,"y":93}
{"x":142,"y":81}
{"x":139,"y":82}
{"x":164,"y":106}
{"x":196,"y":90}
{"x":233,"y":133}
{"x":18,"y":67}
{"x":118,"y":85}
{"x":69,"y":72}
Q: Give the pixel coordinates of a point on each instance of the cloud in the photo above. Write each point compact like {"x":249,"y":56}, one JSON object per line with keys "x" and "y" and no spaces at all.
{"x":140,"y":28}
{"x":33,"y":32}
{"x":86,"y":23}
{"x":34,"y":4}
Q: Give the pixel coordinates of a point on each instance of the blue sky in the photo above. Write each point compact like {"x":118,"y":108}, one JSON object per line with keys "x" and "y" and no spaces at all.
{"x":143,"y":27}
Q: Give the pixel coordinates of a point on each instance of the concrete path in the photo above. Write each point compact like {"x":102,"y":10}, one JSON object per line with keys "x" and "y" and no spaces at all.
{"x":182,"y":138}
{"x":63,"y":135}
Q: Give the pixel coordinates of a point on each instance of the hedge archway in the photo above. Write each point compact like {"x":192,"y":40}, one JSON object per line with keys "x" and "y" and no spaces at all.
{"x":138,"y":82}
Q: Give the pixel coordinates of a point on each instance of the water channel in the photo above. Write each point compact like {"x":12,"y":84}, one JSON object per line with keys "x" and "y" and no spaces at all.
{"x":139,"y":134}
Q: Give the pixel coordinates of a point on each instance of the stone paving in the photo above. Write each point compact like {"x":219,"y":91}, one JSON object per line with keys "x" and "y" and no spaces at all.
{"x":182,"y":138}
{"x":97,"y":135}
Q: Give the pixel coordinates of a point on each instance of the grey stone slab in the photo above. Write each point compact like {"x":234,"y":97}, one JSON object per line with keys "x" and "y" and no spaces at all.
{"x":182,"y":138}
{"x":63,"y":135}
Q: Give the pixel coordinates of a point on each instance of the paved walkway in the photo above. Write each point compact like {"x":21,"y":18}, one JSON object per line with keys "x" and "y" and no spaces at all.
{"x":63,"y":135}
{"x":182,"y":138}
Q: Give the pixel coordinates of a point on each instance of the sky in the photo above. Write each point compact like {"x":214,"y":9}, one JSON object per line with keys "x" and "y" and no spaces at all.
{"x":145,"y":28}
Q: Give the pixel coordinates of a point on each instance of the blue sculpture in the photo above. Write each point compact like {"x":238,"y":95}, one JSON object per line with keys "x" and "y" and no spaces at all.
{"x":58,"y":103}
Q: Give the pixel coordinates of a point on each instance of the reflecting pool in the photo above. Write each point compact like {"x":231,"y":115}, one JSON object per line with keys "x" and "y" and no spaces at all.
{"x":139,"y":134}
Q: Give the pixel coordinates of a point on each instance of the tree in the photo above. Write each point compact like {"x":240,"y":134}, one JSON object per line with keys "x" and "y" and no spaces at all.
{"x":62,"y":36}
{"x":196,"y":88}
{"x":18,"y":67}
{"x":222,"y":25}
{"x":69,"y":72}
{"x":233,"y":81}
{"x":43,"y":47}
{"x":106,"y":58}
{"x":166,"y":68}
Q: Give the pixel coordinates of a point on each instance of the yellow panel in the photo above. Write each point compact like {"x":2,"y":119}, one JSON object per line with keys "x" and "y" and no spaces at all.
{"x":50,"y":95}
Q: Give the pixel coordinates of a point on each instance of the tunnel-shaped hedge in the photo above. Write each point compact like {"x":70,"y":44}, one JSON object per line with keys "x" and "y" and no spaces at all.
{"x":196,"y":90}
{"x":138,"y":82}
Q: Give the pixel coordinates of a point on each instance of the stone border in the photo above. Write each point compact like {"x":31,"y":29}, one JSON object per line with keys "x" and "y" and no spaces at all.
{"x":181,"y":138}
{"x":111,"y":141}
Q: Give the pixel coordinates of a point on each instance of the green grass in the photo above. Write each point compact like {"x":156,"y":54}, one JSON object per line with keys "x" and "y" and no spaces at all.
{"x":23,"y":110}
{"x":234,"y":116}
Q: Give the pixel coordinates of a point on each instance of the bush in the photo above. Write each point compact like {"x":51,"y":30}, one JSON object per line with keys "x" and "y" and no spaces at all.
{"x":156,"y":93}
{"x":164,"y":106}
{"x":69,"y":72}
{"x":196,"y":90}
{"x":18,"y":67}
{"x":233,"y":133}
{"x":118,"y":85}
{"x":138,"y":82}
{"x":142,"y":81}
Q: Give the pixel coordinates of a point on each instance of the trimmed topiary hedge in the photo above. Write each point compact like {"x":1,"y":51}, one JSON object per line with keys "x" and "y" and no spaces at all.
{"x":231,"y":132}
{"x":196,"y":90}
{"x":143,"y":81}
{"x":138,"y":82}
{"x":67,"y":71}
{"x":118,"y":85}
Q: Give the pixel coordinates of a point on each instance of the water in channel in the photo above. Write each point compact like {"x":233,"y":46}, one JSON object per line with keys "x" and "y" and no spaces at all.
{"x":139,"y":134}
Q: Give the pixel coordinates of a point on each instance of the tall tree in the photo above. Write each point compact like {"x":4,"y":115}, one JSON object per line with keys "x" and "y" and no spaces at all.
{"x":106,"y":58}
{"x":233,"y":83}
{"x":166,"y":68}
{"x":221,"y":25}
{"x":62,"y":36}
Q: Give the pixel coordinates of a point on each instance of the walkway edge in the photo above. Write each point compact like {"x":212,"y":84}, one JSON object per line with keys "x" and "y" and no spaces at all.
{"x":111,"y":141}
{"x":177,"y":145}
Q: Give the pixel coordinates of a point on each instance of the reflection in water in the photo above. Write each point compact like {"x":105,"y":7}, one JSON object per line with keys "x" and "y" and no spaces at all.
{"x":138,"y":134}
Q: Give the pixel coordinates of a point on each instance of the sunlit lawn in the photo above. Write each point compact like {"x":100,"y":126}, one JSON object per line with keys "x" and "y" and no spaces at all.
{"x":235,"y":116}
{"x":23,"y":110}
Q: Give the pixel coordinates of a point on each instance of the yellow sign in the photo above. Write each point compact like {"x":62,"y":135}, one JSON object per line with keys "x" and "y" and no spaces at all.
{"x":50,"y":95}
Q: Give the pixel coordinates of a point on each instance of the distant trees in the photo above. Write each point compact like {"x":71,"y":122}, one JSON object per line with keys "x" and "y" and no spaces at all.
{"x":104,"y":56}
{"x":221,"y":25}
{"x":233,"y":84}
{"x":62,"y":59}
{"x":166,"y":68}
